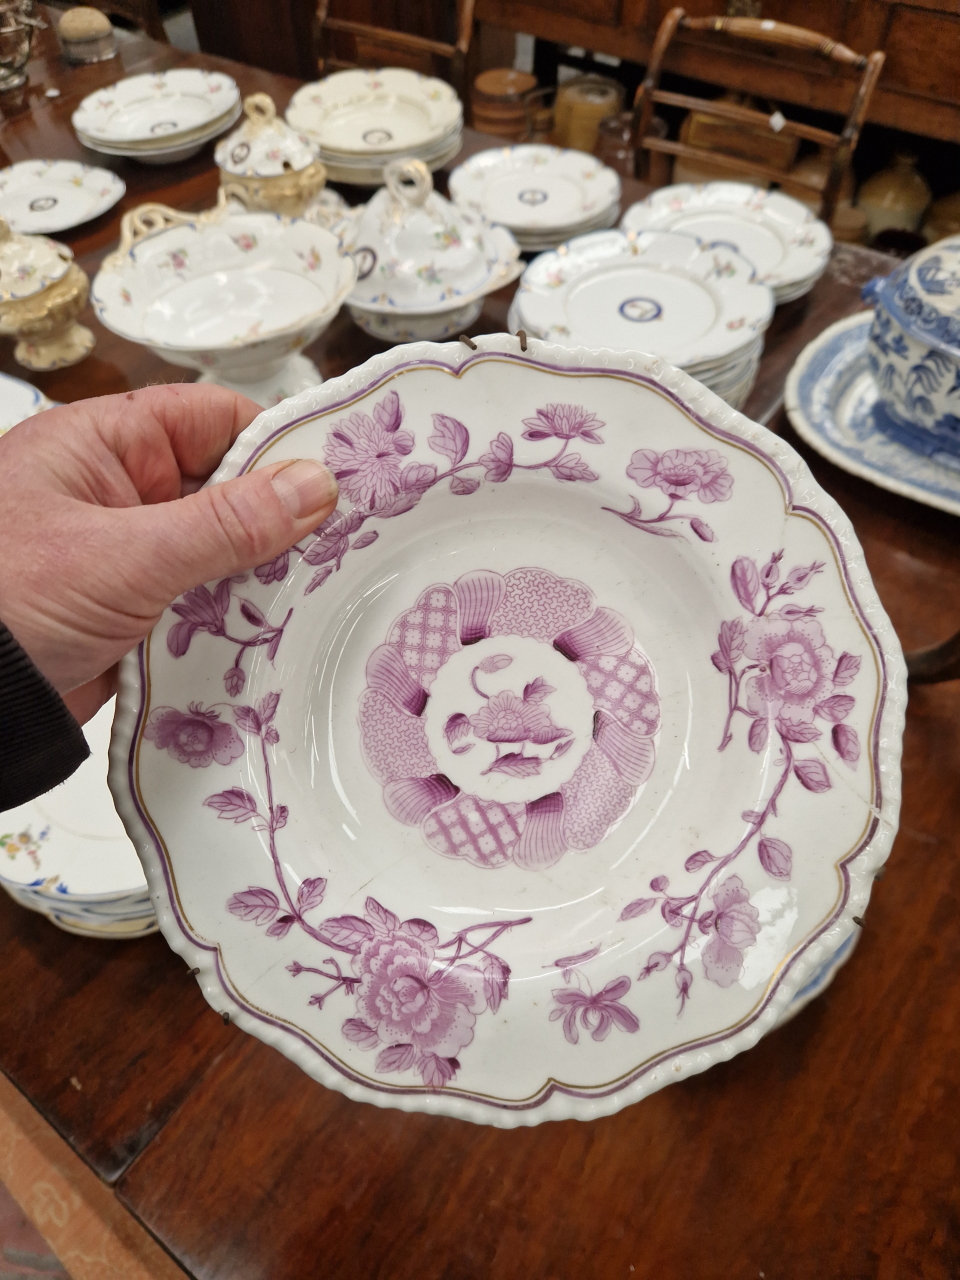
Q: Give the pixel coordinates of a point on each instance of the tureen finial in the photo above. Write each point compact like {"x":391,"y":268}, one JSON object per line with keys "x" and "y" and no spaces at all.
{"x":260,"y":109}
{"x":408,"y":181}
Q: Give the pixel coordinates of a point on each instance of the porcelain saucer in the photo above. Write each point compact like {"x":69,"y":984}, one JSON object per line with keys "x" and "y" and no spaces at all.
{"x":39,"y":197}
{"x":833,"y":403}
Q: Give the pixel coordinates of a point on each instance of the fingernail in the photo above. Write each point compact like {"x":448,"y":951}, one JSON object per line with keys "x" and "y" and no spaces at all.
{"x":304,"y":487}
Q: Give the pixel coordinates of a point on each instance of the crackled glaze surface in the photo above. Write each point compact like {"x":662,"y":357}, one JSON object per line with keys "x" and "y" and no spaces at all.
{"x":549,"y":768}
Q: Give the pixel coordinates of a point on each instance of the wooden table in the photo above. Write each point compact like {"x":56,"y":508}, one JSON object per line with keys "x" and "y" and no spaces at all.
{"x":830,"y":1150}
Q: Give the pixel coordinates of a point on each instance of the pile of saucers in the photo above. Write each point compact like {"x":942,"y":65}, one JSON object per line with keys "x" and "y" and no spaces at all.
{"x":661,"y":292}
{"x":158,"y":118}
{"x":67,"y":856}
{"x":543,"y":195}
{"x":787,"y":245}
{"x":360,"y":120}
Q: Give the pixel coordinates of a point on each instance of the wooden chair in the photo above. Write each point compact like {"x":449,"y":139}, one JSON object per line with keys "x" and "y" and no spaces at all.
{"x":143,"y":13}
{"x":378,"y":46}
{"x":841,"y":145}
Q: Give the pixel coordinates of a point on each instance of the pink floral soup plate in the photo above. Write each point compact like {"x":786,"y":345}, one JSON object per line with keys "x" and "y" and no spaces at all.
{"x":550,"y":768}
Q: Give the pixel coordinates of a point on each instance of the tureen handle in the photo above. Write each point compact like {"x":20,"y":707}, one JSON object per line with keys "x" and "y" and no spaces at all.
{"x":408,"y":181}
{"x":147,"y":219}
{"x":260,"y":109}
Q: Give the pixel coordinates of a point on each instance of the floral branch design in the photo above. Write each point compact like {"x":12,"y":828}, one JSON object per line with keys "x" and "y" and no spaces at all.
{"x":204,"y":610}
{"x":784,"y":677}
{"x":417,"y":998}
{"x":367,"y":453}
{"x":598,"y":1012}
{"x":679,"y":474}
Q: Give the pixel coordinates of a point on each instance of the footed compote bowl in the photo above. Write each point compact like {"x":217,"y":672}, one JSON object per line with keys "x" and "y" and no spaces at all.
{"x":234,"y":294}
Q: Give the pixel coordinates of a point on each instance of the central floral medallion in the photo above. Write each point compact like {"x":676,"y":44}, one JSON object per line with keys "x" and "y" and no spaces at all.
{"x":509,"y":717}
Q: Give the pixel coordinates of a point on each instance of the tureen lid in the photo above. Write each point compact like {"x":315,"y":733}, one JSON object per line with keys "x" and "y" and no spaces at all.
{"x":29,"y":263}
{"x":264,"y":145}
{"x":414,"y":249}
{"x":923,"y":295}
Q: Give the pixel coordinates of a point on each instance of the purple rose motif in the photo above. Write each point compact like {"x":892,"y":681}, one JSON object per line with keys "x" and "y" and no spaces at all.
{"x":195,"y":736}
{"x":734,"y":927}
{"x":795,"y":665}
{"x":683,"y":473}
{"x":407,"y":997}
{"x":507,"y":718}
{"x":564,"y":422}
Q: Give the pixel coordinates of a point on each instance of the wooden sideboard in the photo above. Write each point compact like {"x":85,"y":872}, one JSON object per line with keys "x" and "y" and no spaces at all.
{"x":919,"y":89}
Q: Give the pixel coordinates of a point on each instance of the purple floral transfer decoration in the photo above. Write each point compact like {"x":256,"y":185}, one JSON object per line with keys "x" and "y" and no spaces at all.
{"x":368,"y":454}
{"x":509,"y":718}
{"x":679,"y":474}
{"x":204,"y":610}
{"x":784,"y":677}
{"x":597,"y":1012}
{"x":416,"y":997}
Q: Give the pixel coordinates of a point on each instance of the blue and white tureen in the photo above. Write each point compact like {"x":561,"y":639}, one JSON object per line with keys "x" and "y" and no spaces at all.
{"x":914,"y":348}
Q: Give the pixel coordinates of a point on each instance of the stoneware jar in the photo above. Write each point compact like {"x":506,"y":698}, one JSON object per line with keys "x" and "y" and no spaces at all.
{"x":42,"y":291}
{"x":914,"y":348}
{"x":895,"y":197}
{"x":267,"y":165}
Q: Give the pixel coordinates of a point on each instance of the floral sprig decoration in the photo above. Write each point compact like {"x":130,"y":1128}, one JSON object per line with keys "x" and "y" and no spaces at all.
{"x":201,"y":609}
{"x":598,"y":1012}
{"x":679,"y":474}
{"x":783,"y":677}
{"x":368,"y":453}
{"x":416,"y":997}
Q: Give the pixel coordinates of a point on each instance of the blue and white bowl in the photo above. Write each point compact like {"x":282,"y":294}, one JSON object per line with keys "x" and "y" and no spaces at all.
{"x":914,"y":348}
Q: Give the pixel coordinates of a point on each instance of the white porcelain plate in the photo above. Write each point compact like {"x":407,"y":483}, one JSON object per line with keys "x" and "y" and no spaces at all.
{"x":381,"y":112}
{"x":156,"y":105}
{"x":660,"y":292}
{"x":535,"y":187}
{"x":833,"y":403}
{"x":39,"y":197}
{"x":778,"y":234}
{"x":549,"y":769}
{"x":19,"y":400}
{"x":69,"y":843}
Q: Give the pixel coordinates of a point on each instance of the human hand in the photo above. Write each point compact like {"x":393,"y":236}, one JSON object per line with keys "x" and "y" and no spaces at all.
{"x":103,"y":522}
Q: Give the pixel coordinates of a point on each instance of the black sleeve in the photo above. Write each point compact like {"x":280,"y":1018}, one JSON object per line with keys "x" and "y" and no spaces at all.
{"x":40,"y":742}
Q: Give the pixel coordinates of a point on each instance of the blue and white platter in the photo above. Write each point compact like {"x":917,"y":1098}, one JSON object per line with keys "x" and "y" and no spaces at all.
{"x":832,"y":401}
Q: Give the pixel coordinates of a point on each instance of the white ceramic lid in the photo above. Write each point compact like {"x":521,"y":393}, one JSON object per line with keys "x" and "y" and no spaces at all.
{"x":416,"y":251}
{"x":156,"y":106}
{"x":781,"y":237}
{"x":264,"y":145}
{"x":43,"y":196}
{"x":530,"y":809}
{"x":923,"y":296}
{"x":368,"y":113}
{"x":659,"y":292}
{"x":533,"y":187}
{"x":29,"y":263}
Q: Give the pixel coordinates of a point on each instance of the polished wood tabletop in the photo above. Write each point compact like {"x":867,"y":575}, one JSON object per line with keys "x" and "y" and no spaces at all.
{"x":830,"y":1150}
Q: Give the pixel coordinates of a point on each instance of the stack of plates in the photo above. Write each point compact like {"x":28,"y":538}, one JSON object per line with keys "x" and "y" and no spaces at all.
{"x":544,"y":195}
{"x":661,"y":292}
{"x":787,"y":245}
{"x":19,"y":400}
{"x":67,"y":855}
{"x":158,"y":118}
{"x":360,"y":120}
{"x":41,"y":197}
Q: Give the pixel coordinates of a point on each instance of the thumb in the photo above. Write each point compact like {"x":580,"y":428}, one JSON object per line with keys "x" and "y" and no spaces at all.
{"x":230,"y":527}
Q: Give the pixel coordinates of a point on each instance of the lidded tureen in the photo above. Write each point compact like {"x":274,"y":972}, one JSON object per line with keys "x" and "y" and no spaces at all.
{"x":424,"y":265}
{"x":914,"y":348}
{"x":42,"y":291}
{"x":268,"y":165}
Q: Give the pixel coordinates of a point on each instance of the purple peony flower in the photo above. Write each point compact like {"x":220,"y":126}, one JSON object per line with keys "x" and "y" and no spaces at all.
{"x":406,"y":1000}
{"x":194,"y":737}
{"x":366,"y":458}
{"x":734,"y":928}
{"x":565,"y":422}
{"x":795,"y":667}
{"x":507,"y":718}
{"x":598,"y":1013}
{"x":683,"y":473}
